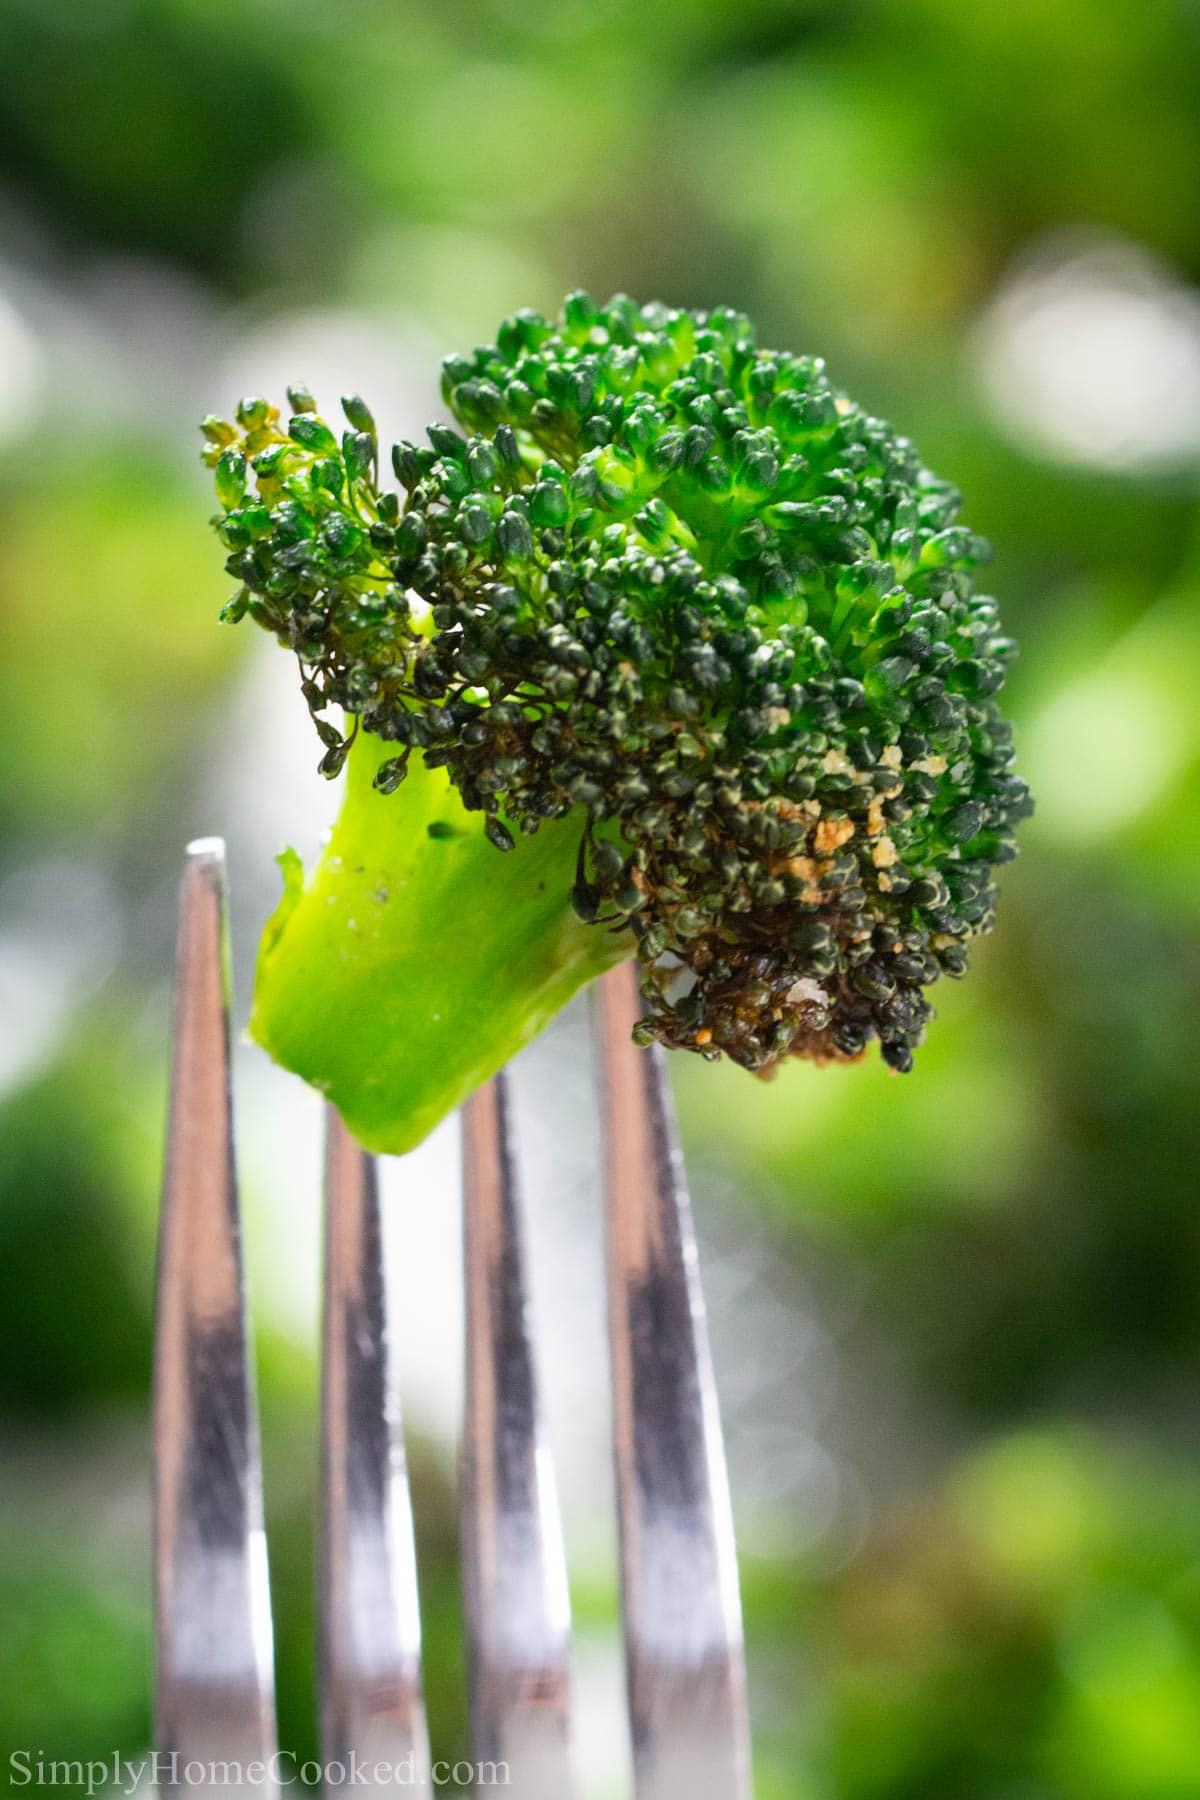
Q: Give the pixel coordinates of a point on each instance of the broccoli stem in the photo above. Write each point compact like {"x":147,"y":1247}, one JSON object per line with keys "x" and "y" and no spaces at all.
{"x":416,"y":959}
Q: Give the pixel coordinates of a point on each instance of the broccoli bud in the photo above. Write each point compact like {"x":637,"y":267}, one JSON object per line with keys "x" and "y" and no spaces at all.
{"x":683,"y":593}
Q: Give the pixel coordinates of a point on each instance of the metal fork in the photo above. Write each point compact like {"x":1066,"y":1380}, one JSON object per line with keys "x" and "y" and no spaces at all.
{"x":215,"y":1723}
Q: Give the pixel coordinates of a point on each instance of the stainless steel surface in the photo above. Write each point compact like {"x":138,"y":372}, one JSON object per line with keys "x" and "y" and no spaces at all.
{"x":371,"y":1708}
{"x":215,"y":1726}
{"x":214,"y":1685}
{"x":514,"y":1573}
{"x":682,"y":1616}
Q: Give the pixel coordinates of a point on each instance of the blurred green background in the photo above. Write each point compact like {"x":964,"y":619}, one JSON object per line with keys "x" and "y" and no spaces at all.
{"x":957,"y":1315}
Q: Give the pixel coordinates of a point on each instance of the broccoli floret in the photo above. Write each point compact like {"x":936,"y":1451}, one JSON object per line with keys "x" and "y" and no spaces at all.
{"x":679,"y":599}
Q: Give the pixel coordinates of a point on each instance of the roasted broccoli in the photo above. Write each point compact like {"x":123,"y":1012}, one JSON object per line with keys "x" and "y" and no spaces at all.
{"x":697,"y":639}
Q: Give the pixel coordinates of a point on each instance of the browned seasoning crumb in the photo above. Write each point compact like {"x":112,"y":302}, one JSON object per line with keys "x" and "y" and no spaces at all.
{"x":831,"y":834}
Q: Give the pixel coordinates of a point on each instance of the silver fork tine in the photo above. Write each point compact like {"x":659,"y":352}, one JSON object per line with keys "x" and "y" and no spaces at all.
{"x":371,"y":1704}
{"x":682,"y":1615}
{"x":514,"y":1573}
{"x":215,"y":1699}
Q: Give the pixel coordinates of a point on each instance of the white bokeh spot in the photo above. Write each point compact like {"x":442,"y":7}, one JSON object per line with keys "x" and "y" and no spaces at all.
{"x":1090,"y":353}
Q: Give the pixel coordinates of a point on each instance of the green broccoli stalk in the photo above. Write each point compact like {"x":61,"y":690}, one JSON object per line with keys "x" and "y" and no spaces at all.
{"x":695,"y":636}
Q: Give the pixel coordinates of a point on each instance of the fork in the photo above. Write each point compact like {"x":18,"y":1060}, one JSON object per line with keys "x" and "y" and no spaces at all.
{"x":214,"y":1711}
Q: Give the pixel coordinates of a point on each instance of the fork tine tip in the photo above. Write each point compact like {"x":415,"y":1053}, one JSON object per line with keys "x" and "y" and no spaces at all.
{"x":205,"y":849}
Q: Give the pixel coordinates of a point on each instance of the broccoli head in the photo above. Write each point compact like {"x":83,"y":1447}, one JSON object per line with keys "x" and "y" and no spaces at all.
{"x":679,"y":597}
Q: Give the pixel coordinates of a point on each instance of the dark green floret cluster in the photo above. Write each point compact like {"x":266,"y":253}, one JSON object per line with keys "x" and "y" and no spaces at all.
{"x":685,"y":591}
